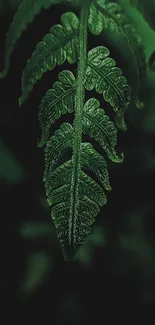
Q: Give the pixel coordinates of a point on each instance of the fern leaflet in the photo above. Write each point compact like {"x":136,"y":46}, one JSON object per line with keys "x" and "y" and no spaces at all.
{"x":58,"y":100}
{"x":103,"y":75}
{"x":57,"y":46}
{"x":110,"y":16}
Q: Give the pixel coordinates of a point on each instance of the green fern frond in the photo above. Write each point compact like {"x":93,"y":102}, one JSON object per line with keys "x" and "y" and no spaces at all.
{"x":103,"y":75}
{"x":76,"y":197}
{"x":59,"y":45}
{"x":58,"y":100}
{"x":27,"y":11}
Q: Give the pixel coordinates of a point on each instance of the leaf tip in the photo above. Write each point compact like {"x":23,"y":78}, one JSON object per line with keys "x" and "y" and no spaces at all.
{"x":118,"y":158}
{"x":70,"y":253}
{"x":139,"y":104}
{"x":44,"y":138}
{"x":20,"y":101}
{"x":108,"y":188}
{"x":41,"y":143}
{"x":121,"y":157}
{"x":120,"y":122}
{"x":3,"y":74}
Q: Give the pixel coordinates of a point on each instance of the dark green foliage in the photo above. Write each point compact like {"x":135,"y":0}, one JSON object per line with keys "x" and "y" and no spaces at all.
{"x":110,"y":17}
{"x":75,"y":197}
{"x":10,"y":170}
{"x":25,"y":14}
{"x":57,"y":46}
{"x":147,"y":8}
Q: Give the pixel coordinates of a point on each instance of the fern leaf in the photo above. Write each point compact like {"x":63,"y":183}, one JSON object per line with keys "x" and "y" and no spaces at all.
{"x":57,"y":46}
{"x":58,"y":100}
{"x":103,"y":75}
{"x":97,"y":124}
{"x":25,"y":14}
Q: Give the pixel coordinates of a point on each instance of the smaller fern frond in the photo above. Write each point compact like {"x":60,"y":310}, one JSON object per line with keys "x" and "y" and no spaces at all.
{"x":110,"y":16}
{"x":97,"y":124}
{"x":57,"y":101}
{"x":59,"y":45}
{"x":27,"y":11}
{"x":103,"y":75}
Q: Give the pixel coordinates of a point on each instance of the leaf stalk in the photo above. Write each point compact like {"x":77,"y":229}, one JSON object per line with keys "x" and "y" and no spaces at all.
{"x":79,"y":104}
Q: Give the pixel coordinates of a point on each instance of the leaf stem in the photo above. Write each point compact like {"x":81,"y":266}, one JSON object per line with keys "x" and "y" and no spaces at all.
{"x":79,"y":103}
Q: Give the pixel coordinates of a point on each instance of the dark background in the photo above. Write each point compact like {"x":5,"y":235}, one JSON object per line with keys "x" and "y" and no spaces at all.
{"x":113,"y":275}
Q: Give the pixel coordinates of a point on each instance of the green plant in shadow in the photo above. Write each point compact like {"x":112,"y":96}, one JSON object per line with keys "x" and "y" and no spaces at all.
{"x":38,"y":267}
{"x":74,"y":196}
{"x":147,"y":8}
{"x":11,"y":171}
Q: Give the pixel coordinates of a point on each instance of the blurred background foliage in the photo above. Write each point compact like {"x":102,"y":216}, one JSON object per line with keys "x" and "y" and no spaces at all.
{"x":115,"y":269}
